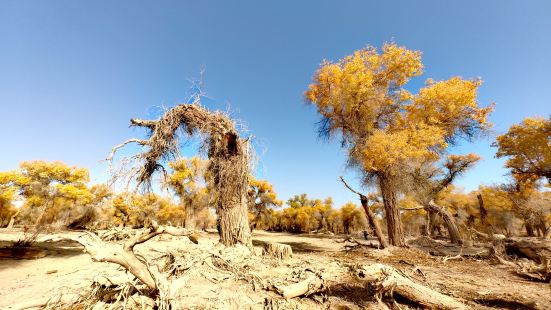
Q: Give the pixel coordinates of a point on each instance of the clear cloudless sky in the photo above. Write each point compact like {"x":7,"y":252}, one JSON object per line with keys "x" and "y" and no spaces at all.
{"x":72,"y":73}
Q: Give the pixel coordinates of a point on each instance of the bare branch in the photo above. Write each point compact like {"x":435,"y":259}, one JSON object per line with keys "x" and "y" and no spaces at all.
{"x":350,"y":188}
{"x":412,"y":209}
{"x":116,"y":147}
{"x":143,"y":123}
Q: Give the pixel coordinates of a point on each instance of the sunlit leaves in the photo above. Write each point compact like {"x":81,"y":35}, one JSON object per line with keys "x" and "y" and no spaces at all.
{"x":527,"y":147}
{"x":362,"y":97}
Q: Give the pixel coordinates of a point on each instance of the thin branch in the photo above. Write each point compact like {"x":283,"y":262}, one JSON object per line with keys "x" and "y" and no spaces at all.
{"x":116,"y":147}
{"x":412,"y":209}
{"x":350,"y":188}
{"x":154,"y":231}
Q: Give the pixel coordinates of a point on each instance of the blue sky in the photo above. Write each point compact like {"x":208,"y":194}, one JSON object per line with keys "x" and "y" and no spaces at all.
{"x":72,"y":73}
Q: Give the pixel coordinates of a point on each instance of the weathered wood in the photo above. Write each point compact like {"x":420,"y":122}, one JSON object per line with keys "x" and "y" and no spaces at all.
{"x":12,"y":218}
{"x":278,"y":250}
{"x":370,"y":216}
{"x":535,"y":249}
{"x":124,"y":255}
{"x":313,"y":284}
{"x":381,"y":278}
{"x":453,"y":230}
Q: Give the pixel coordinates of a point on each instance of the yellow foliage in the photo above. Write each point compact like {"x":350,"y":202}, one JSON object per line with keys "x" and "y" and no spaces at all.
{"x":527,"y":147}
{"x":8,"y":193}
{"x":51,"y":190}
{"x":362,"y":96}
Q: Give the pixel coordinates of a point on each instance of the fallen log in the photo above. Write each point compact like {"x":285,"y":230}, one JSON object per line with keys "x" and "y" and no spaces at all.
{"x":382,"y":279}
{"x":311,"y":285}
{"x":528,"y":270}
{"x":278,"y":250}
{"x":537,"y":250}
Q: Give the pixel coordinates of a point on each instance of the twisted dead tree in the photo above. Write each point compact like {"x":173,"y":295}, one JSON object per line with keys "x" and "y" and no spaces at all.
{"x":430,"y":180}
{"x":228,"y":161}
{"x":370,"y":216}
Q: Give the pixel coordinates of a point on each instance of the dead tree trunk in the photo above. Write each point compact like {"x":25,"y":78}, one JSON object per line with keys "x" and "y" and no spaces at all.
{"x":12,"y":218}
{"x":373,"y":222}
{"x":228,"y":162}
{"x":433,"y":223}
{"x":392,"y":212}
{"x":370,"y":216}
{"x":453,"y":230}
{"x":229,"y":166}
{"x":484,"y":218}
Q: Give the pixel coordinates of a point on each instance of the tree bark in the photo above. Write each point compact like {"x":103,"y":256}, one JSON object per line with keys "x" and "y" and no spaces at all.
{"x":189,"y":216}
{"x":229,"y":164}
{"x":392,"y":213}
{"x":453,"y":230}
{"x":234,"y":225}
{"x":483,"y":217}
{"x":370,"y":216}
{"x":311,"y":285}
{"x":278,"y":250}
{"x":124,"y":255}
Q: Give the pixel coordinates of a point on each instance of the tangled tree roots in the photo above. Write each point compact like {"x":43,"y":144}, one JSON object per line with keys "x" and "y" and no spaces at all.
{"x":228,"y":161}
{"x":124,"y":255}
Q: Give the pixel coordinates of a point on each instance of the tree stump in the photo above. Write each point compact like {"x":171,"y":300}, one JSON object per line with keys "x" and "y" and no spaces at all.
{"x":278,"y":250}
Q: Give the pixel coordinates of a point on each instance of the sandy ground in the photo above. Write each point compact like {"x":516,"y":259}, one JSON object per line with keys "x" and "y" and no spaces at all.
{"x":65,"y":268}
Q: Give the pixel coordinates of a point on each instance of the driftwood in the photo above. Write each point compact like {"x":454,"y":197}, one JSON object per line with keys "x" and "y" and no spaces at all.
{"x":84,"y":220}
{"x":312,"y":284}
{"x":382,"y":279}
{"x":278,"y":250}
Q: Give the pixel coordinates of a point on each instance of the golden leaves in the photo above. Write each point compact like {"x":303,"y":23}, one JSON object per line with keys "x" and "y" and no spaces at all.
{"x":528,"y":148}
{"x":362,"y":97}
